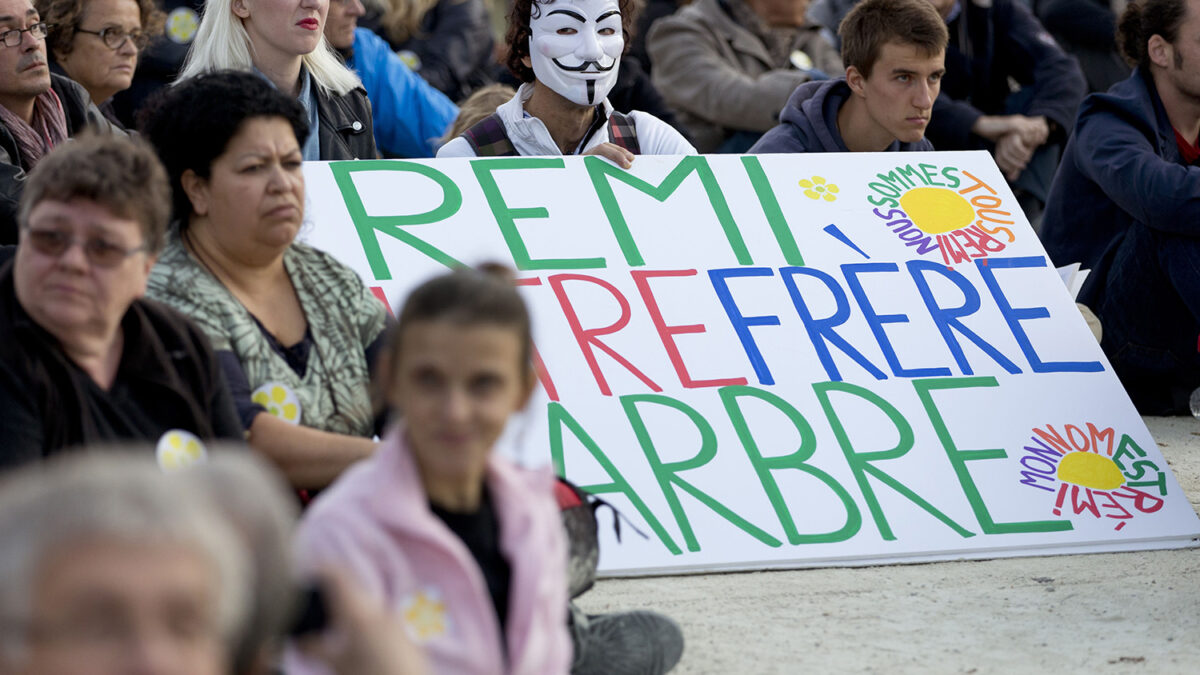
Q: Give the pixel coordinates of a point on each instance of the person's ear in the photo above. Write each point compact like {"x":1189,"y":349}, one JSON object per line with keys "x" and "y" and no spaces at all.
{"x":1160,"y":51}
{"x":196,"y":189}
{"x":855,"y":80}
{"x":239,"y":9}
{"x":527,"y":61}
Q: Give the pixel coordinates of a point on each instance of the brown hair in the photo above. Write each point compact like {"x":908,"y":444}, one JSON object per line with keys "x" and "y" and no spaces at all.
{"x":874,"y":23}
{"x":121,"y":174}
{"x":1142,"y":21}
{"x":465,"y":297}
{"x":62,"y":17}
{"x":402,"y":19}
{"x":478,"y":106}
{"x":519,"y":32}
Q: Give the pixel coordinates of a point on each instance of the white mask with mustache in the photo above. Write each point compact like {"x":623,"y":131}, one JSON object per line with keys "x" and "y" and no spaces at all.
{"x":576,"y":47}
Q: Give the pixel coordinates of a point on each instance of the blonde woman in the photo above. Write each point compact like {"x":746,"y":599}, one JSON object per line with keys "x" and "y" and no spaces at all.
{"x":283,"y":41}
{"x":448,"y":42}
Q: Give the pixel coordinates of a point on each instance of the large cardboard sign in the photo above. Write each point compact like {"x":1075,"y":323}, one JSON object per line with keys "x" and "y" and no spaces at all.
{"x":785,"y":360}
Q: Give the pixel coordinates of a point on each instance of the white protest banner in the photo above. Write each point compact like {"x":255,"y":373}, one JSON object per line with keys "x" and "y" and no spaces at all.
{"x":785,"y":360}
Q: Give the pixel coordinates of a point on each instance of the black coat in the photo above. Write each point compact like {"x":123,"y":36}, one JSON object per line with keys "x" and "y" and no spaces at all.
{"x":168,"y":379}
{"x":345,"y":129}
{"x":990,"y":42}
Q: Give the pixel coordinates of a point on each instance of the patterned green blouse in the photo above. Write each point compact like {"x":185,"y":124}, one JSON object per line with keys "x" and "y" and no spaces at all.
{"x":343,"y":319}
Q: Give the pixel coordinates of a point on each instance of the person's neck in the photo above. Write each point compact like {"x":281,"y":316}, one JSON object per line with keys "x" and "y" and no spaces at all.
{"x":1182,"y":109}
{"x":97,"y":353}
{"x":455,"y":497}
{"x":283,"y":72}
{"x":859,"y":132}
{"x":245,"y":274}
{"x":566,"y":121}
{"x":21,"y":106}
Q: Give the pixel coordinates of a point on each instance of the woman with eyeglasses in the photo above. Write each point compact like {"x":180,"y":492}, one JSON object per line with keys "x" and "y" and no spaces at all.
{"x":85,"y":359}
{"x":97,"y":42}
{"x":283,"y":41}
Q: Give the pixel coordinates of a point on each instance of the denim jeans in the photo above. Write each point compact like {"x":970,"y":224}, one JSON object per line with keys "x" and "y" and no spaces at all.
{"x":1150,"y":311}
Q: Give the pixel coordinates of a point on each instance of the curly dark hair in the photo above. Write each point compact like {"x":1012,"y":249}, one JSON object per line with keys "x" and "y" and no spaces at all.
{"x":519,"y":32}
{"x":191,"y":123}
{"x":1142,"y":21}
{"x":62,"y":18}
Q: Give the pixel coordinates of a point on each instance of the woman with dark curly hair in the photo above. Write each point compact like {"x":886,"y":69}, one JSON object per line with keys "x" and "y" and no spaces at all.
{"x":97,"y":42}
{"x":568,"y":52}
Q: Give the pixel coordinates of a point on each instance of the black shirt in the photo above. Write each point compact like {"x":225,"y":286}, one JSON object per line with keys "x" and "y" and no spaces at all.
{"x":480,"y":531}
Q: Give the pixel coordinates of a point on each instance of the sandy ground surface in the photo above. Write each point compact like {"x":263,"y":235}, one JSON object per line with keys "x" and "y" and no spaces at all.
{"x":1102,"y":613}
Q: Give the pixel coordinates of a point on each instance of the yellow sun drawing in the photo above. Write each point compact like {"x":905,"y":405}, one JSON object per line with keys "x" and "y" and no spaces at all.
{"x":818,"y":188}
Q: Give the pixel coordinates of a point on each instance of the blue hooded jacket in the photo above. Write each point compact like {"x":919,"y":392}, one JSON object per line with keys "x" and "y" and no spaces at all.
{"x":808,"y":123}
{"x":1120,"y":167}
{"x":409,"y":115}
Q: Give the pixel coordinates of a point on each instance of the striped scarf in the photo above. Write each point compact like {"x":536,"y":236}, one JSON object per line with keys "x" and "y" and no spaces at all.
{"x":47,"y":129}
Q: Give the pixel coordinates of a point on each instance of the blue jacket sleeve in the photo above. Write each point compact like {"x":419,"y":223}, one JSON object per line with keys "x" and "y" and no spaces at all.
{"x":409,"y":115}
{"x":1122,"y":161}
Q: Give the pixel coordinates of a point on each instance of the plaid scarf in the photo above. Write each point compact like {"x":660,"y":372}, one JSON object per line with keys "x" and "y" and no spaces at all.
{"x":48,"y":128}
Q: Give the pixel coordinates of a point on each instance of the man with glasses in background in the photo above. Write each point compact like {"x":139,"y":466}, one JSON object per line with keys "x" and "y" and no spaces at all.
{"x":38,"y":110}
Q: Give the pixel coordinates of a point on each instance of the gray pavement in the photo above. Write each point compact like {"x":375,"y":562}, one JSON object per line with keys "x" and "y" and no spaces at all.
{"x":1135,"y":612}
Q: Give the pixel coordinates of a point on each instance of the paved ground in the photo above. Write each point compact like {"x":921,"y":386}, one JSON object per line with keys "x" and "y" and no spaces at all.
{"x":1103,"y":613}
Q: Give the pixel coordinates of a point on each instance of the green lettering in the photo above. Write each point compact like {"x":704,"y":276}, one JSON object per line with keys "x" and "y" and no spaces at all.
{"x":772,"y":210}
{"x":861,"y":462}
{"x":959,"y":458}
{"x":601,"y":172}
{"x":667,"y":473}
{"x":558,"y":418}
{"x":369,"y":227}
{"x":506,"y":217}
{"x":763,"y":466}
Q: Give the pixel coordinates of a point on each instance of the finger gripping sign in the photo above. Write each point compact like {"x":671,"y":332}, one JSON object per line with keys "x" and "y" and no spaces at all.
{"x":784,"y":360}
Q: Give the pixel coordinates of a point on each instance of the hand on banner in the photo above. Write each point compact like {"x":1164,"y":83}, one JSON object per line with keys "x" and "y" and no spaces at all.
{"x":613,"y":153}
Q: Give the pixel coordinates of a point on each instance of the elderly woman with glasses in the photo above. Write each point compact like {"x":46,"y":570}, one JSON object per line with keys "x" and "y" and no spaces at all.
{"x":85,"y":360}
{"x":97,"y":42}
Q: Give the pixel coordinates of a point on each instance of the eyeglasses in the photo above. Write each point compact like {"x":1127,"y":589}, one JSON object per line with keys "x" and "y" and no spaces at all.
{"x":99,"y":252}
{"x":114,"y":37}
{"x":12,"y":38}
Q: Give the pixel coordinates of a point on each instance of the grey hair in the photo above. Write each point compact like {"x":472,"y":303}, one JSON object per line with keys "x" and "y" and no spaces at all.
{"x":222,"y":43}
{"x":256,"y":500}
{"x":108,"y":495}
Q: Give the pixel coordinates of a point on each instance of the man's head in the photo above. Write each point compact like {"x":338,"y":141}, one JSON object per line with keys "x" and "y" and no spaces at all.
{"x":341,"y":22}
{"x":24,"y":74}
{"x":894,"y":52}
{"x":571,"y":46}
{"x":1153,"y":28}
{"x":780,"y":13}
{"x":874,"y":23}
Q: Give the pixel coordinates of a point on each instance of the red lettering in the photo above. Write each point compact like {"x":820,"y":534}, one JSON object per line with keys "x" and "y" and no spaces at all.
{"x":665,"y":332}
{"x":1088,"y":504}
{"x":1140,"y":499}
{"x":377,"y":291}
{"x":950,"y":253}
{"x":589,"y":338}
{"x":539,"y":366}
{"x":1053,"y":438}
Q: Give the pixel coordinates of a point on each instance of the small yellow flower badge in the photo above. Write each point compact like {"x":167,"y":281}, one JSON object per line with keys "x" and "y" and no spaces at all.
{"x":425,"y":614}
{"x":817,"y":188}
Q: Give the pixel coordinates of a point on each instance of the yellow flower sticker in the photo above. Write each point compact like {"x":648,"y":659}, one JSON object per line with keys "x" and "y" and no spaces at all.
{"x":818,"y":188}
{"x":425,"y":614}
{"x":178,"y":449}
{"x":279,"y":400}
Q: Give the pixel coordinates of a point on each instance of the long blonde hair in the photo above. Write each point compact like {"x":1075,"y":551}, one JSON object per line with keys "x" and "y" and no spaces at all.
{"x":222,"y":43}
{"x":402,"y":18}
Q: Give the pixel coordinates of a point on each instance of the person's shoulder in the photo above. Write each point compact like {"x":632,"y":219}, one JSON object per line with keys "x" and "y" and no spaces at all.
{"x":1130,"y":101}
{"x":656,"y":137}
{"x":692,"y":16}
{"x":456,"y":147}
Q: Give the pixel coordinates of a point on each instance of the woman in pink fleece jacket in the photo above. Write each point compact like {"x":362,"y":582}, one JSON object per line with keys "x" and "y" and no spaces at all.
{"x":467,"y":548}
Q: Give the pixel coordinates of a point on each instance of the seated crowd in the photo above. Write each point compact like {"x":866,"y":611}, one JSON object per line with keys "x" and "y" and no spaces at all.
{"x":156,"y":306}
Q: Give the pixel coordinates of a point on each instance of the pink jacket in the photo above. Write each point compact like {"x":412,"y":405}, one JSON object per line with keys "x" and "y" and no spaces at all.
{"x":375,"y":521}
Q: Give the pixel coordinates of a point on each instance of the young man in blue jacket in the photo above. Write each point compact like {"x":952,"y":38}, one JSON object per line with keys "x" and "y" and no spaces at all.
{"x":409,"y":115}
{"x":893,"y":51}
{"x":1126,"y":203}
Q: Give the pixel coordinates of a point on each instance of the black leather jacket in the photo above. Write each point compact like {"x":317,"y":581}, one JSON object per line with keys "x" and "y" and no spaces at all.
{"x":345,"y":126}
